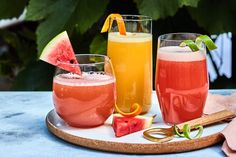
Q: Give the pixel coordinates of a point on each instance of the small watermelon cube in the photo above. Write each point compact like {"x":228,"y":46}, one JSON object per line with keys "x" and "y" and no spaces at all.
{"x":127,"y":125}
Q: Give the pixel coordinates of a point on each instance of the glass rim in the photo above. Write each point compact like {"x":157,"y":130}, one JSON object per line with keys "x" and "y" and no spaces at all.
{"x":177,"y":33}
{"x":143,"y":17}
{"x":106,"y":58}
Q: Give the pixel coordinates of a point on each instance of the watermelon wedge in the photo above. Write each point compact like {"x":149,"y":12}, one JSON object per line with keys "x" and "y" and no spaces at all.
{"x":127,"y":125}
{"x":59,"y":52}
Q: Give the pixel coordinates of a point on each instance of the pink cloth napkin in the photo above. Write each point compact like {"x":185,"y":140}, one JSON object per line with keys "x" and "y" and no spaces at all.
{"x":217,"y":103}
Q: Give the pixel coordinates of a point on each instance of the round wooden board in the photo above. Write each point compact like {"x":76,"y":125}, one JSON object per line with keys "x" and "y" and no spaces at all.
{"x":103,"y":138}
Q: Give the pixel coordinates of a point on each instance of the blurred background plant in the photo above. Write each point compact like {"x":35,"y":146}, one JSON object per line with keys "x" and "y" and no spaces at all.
{"x":38,"y":21}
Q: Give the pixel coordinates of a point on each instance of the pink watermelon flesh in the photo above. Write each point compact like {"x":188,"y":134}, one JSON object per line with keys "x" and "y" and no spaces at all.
{"x":124,"y":125}
{"x":59,"y":52}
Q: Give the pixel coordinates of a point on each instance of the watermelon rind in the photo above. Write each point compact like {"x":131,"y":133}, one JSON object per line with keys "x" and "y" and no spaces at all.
{"x":51,"y":45}
{"x":146,"y":118}
{"x":59,"y":52}
{"x":121,"y":130}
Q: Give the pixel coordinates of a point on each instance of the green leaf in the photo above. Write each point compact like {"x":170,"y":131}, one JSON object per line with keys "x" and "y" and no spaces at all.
{"x":215,"y":16}
{"x":98,"y":45}
{"x":88,"y":12}
{"x":162,"y":8}
{"x":5,"y":67}
{"x":11,"y":8}
{"x":63,"y":15}
{"x":191,"y":3}
{"x":35,"y":76}
{"x":38,"y":10}
{"x":157,"y":8}
{"x":23,"y":49}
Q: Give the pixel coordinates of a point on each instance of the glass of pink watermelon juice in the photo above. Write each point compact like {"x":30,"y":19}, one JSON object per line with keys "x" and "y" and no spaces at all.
{"x":85,"y":100}
{"x":181,"y":78}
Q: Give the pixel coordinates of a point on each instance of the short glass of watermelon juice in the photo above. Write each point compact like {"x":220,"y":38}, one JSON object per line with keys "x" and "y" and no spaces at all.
{"x":85,"y":100}
{"x":181,"y":78}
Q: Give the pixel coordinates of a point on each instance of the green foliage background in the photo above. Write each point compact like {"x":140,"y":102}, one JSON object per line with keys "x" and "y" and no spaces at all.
{"x":83,"y":20}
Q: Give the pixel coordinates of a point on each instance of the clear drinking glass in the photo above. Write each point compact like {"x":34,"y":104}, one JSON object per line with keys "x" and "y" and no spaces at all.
{"x":131,"y":55}
{"x":181,"y":78}
{"x":86,"y":100}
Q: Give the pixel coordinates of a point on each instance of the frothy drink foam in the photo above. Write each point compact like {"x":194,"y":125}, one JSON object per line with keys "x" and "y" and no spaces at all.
{"x":87,"y":79}
{"x":129,"y":37}
{"x":180,"y":54}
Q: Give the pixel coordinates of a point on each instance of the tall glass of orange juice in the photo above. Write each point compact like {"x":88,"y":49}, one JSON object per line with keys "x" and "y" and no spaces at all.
{"x":131,"y":56}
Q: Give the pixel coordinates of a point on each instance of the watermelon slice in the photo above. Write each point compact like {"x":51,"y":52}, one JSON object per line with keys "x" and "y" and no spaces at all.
{"x":126,"y":125}
{"x":59,"y":52}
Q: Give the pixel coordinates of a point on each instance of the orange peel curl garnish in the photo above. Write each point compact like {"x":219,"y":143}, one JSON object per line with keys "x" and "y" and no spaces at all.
{"x":108,"y":23}
{"x":135,"y":110}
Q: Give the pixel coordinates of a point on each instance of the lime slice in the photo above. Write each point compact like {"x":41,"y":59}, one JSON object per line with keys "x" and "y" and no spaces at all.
{"x":195,"y":46}
{"x":192,"y":45}
{"x":187,"y":130}
{"x":177,"y":131}
{"x":207,"y":41}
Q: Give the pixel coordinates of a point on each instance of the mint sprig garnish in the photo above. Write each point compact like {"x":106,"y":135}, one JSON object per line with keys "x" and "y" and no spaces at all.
{"x":196,"y":45}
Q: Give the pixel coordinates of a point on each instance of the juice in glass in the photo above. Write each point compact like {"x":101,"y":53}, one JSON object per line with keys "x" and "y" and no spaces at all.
{"x":181,"y":83}
{"x":131,"y":56}
{"x":86,"y":100}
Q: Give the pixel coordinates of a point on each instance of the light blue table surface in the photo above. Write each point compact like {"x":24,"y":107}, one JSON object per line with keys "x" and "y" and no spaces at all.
{"x":23,"y":132}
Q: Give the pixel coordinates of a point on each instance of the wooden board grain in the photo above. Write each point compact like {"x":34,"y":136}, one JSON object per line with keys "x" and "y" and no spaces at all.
{"x":102,"y":138}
